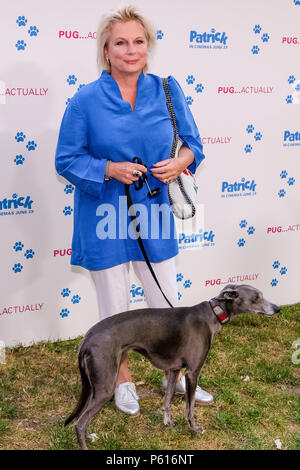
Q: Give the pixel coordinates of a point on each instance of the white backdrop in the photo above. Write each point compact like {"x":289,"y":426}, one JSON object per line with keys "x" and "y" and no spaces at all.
{"x":242,"y":83}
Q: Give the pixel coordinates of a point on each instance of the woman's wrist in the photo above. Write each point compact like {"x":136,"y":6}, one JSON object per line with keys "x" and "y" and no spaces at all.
{"x":186,"y":157}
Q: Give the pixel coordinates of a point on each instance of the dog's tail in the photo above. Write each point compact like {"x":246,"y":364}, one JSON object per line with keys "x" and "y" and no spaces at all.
{"x":86,"y":389}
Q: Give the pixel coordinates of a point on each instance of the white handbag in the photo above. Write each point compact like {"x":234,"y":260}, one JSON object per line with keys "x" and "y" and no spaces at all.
{"x":183,"y":191}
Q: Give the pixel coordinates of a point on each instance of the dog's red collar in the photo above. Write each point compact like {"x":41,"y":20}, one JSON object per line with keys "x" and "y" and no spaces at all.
{"x":219,"y":312}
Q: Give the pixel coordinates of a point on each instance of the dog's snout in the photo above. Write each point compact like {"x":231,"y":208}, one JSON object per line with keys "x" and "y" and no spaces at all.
{"x":276,"y":308}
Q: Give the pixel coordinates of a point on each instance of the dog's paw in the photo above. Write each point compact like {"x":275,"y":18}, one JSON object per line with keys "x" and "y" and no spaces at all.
{"x":169,"y":422}
{"x":199,"y":430}
{"x":93,"y":437}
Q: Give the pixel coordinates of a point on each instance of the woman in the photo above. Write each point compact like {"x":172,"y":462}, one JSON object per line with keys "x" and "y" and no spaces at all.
{"x":107,"y":123}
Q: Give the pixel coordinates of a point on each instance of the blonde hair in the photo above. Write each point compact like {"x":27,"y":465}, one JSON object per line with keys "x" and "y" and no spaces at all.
{"x":123,"y":15}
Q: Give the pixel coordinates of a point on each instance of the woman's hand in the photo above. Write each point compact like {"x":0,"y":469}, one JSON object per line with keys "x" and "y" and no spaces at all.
{"x":123,"y":171}
{"x":169,"y":170}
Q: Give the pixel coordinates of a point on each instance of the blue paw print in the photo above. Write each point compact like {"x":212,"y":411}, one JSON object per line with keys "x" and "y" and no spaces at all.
{"x":64,"y":313}
{"x":297,"y":88}
{"x":179,"y":296}
{"x":68,"y":101}
{"x":258,"y":136}
{"x":20,"y":45}
{"x":75,"y":299}
{"x":67,"y":210}
{"x":71,"y":79}
{"x":190,"y":79}
{"x":159,"y":34}
{"x":265,"y":37}
{"x":18,"y":246}
{"x":289,"y":99}
{"x":187,"y":284}
{"x":179,"y":277}
{"x":276,"y":264}
{"x":241,"y":242}
{"x":69,"y":189}
{"x":65,"y":292}
{"x":250,"y":129}
{"x":251,"y":230}
{"x":20,"y":137}
{"x":21,"y":21}
{"x":248,"y":148}
{"x":283,"y":174}
{"x":257,"y":29}
{"x":189,"y":100}
{"x":291,"y":181}
{"x":31,"y":145}
{"x":19,"y":159}
{"x":29,"y":254}
{"x":33,"y":31}
{"x":274,"y":282}
{"x":281,"y":193}
{"x":243,"y":223}
{"x":199,"y":88}
{"x":291,"y":79}
{"x":17,"y":268}
{"x":283,"y":270}
{"x":255,"y":50}
{"x":80,"y":86}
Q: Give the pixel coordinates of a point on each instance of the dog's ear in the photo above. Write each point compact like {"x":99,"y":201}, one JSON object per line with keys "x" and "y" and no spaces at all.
{"x":229,"y":292}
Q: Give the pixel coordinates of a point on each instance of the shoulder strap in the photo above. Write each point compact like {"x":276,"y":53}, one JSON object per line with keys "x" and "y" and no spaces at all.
{"x":172,"y":116}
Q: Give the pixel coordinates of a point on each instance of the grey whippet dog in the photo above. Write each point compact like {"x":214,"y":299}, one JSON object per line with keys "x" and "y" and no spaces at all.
{"x":171,"y":338}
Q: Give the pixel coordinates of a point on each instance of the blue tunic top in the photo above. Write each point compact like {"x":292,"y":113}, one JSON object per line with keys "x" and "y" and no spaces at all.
{"x":98,"y":124}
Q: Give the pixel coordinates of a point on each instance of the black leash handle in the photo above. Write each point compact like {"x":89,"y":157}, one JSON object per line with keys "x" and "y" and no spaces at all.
{"x":139,"y":239}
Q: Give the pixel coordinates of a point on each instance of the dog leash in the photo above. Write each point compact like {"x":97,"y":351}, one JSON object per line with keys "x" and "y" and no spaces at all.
{"x":132,"y":214}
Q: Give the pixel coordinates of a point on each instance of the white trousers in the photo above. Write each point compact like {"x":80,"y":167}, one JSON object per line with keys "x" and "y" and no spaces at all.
{"x":113,"y":284}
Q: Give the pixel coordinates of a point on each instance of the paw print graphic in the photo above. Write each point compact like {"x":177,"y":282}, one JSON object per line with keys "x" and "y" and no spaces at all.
{"x":274,"y":282}
{"x":20,"y":137}
{"x":159,"y":34}
{"x":265,"y":37}
{"x":67,"y":210}
{"x":68,"y":101}
{"x":243,"y":223}
{"x":199,"y":88}
{"x":283,"y":174}
{"x":75,"y":299}
{"x":65,"y":292}
{"x":241,"y":242}
{"x":33,"y":31}
{"x":190,"y":79}
{"x":69,"y":189}
{"x":258,"y":136}
{"x":17,"y":268}
{"x":187,"y":284}
{"x":31,"y":145}
{"x":71,"y":79}
{"x":20,"y":45}
{"x":248,"y":148}
{"x":189,"y":100}
{"x":18,"y":246}
{"x":64,"y":312}
{"x":276,"y":264}
{"x":80,"y":86}
{"x":291,"y":79}
{"x":291,"y":181}
{"x":289,"y":99}
{"x":250,"y":129}
{"x":251,"y":230}
{"x":257,"y":29}
{"x":21,"y":21}
{"x":29,"y":254}
{"x":179,"y":296}
{"x":281,"y":193}
{"x":19,"y":159}
{"x":283,"y":270}
{"x":255,"y":50}
{"x":179,"y":277}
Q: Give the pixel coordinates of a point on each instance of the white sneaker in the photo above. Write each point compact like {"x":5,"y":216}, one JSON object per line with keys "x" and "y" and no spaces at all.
{"x":126,"y":398}
{"x":201,"y":396}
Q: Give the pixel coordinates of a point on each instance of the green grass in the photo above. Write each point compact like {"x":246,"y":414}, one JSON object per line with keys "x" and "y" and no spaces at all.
{"x":40,"y":385}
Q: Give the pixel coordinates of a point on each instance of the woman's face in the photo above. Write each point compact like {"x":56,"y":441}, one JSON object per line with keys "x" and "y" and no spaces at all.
{"x":127,"y":48}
